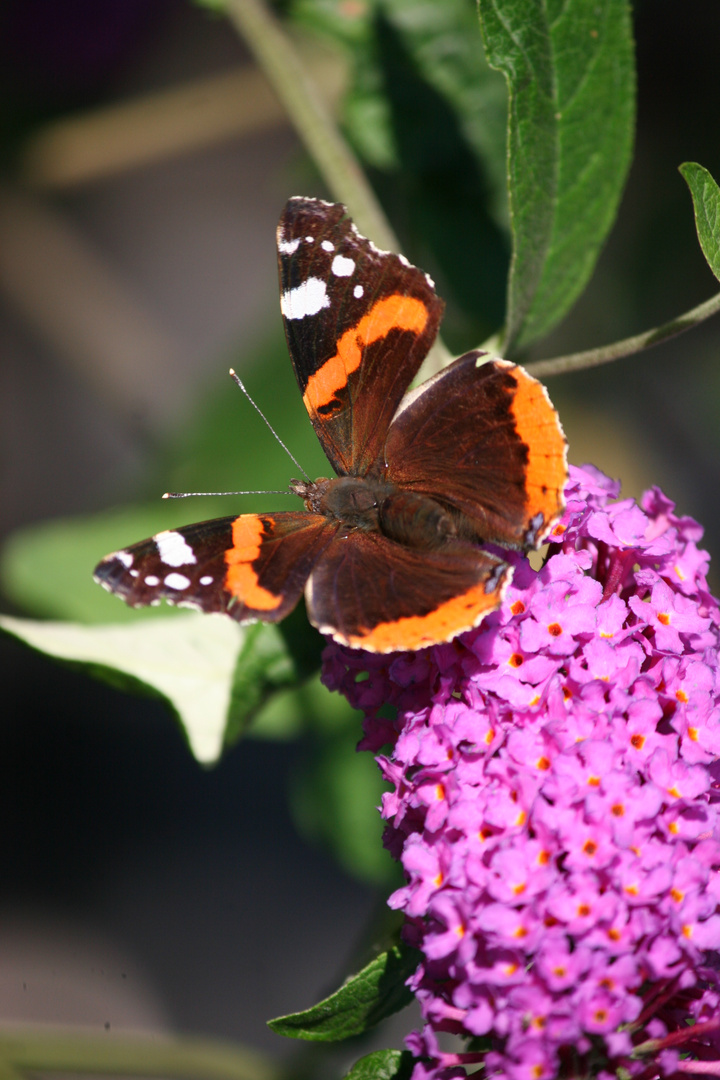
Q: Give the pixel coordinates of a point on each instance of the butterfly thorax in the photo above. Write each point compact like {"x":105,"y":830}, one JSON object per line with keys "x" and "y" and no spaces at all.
{"x":373,"y":505}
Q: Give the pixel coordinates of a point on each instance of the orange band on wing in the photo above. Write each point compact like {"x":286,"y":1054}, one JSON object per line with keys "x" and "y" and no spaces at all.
{"x":241,"y":580}
{"x":444,"y":623}
{"x":538,"y":426}
{"x":392,"y":313}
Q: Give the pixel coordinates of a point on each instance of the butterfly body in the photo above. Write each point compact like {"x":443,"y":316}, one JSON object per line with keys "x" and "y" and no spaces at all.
{"x":373,"y":505}
{"x":388,"y":552}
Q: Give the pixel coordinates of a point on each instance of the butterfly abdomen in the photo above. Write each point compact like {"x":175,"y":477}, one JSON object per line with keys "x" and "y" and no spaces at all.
{"x":416,"y":521}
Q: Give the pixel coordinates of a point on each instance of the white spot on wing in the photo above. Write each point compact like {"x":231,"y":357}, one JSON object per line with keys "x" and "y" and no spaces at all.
{"x":176,"y":581}
{"x":133,"y":573}
{"x":310,"y":239}
{"x":174,"y":548}
{"x":152,"y":581}
{"x":358,"y":291}
{"x":342,"y":267}
{"x":327,"y":246}
{"x":206,"y":579}
{"x":403,"y":260}
{"x":306,"y":299}
{"x":288,"y":247}
{"x":430,"y":281}
{"x":125,"y":558}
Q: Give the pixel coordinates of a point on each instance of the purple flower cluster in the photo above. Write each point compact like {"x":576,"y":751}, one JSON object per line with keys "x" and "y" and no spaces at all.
{"x":554,"y":805}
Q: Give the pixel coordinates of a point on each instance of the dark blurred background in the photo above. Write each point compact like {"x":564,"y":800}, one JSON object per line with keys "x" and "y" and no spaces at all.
{"x":137,"y":889}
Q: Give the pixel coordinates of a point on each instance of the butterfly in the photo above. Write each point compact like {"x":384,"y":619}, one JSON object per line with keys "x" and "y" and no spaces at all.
{"x":388,"y":551}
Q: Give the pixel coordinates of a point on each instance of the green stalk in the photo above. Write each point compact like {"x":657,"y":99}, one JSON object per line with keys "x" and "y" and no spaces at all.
{"x":559,"y":365}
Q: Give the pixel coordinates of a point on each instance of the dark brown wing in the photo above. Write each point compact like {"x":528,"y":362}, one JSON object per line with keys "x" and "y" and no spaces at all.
{"x":253,"y":567}
{"x":486,"y":441}
{"x":359,"y":323}
{"x":372,"y":593}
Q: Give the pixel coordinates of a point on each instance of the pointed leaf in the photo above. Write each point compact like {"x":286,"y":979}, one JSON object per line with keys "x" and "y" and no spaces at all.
{"x":383,"y":1065}
{"x":570,"y":74}
{"x":211,"y":672}
{"x":706,"y":204}
{"x":366,"y":998}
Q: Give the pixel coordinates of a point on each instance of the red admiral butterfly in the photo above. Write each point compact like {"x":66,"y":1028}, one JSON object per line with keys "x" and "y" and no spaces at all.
{"x":387,"y":552}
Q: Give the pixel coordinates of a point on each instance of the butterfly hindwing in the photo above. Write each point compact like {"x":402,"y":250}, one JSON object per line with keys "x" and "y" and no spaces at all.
{"x":377,"y":595}
{"x":359,"y":323}
{"x":484,"y":438}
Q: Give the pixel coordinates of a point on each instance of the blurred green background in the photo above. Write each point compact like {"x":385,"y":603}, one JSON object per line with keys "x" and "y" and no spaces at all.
{"x":145,"y":163}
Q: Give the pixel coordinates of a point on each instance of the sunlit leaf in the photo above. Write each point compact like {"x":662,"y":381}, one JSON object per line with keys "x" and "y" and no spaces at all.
{"x":212,"y":673}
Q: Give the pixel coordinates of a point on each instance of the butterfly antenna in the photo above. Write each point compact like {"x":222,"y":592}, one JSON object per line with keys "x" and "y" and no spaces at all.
{"x":257,"y":408}
{"x":189,"y":494}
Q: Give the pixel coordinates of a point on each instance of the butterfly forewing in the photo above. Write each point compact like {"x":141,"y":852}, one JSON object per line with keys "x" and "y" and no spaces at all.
{"x":251,"y":567}
{"x":359,"y":323}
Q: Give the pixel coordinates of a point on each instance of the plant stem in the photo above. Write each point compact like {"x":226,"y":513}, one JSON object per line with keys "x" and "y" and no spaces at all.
{"x":541,"y":369}
{"x":301,"y":99}
{"x":296,"y":89}
{"x":37,"y":1050}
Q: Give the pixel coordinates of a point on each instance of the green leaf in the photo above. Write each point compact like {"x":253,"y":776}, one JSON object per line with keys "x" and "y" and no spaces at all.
{"x":570,"y":73}
{"x":383,"y":1065}
{"x":706,"y":204}
{"x":212,"y":673}
{"x":363,"y":1001}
